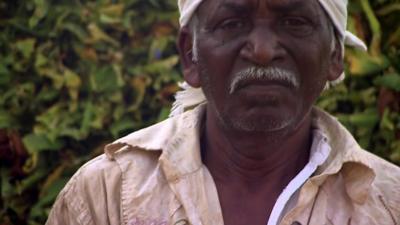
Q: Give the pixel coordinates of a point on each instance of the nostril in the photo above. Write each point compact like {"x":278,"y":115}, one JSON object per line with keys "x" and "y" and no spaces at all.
{"x":262,"y":49}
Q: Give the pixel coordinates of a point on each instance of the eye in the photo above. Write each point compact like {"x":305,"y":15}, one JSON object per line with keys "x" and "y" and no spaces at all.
{"x":232,"y":24}
{"x":294,"y":22}
{"x":297,"y":26}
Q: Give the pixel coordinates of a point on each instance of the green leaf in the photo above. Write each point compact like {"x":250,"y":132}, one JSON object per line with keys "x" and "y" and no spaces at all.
{"x":367,"y":119}
{"x":48,"y":197}
{"x":26,"y":47}
{"x":162,"y":65}
{"x":7,"y":189}
{"x":362,"y":64}
{"x":32,"y":180}
{"x":391,"y":81}
{"x":40,"y":61}
{"x":5,"y":75}
{"x":73,"y":82}
{"x":105,"y":19}
{"x":76,"y":30}
{"x":122,"y":125}
{"x":47,"y":94}
{"x":6,"y":120}
{"x":113,"y":10}
{"x":88,"y":117}
{"x":97,"y":34}
{"x":41,"y":9}
{"x":386,"y":121}
{"x":40,"y":142}
{"x":104,"y":79}
{"x":395,"y":156}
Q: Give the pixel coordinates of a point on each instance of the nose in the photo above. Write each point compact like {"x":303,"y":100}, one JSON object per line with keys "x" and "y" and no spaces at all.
{"x":262,"y":47}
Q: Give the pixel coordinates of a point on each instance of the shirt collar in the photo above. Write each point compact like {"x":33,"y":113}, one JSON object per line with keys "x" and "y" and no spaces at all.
{"x":178,"y":139}
{"x":346,"y":157}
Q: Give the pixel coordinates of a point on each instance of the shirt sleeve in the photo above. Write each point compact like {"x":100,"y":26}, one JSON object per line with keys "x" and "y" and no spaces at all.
{"x":70,"y":207}
{"x":63,"y":214}
{"x":91,"y":197}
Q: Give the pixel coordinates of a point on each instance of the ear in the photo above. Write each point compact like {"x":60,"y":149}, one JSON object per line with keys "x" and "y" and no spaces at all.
{"x":336,"y":68}
{"x":189,"y":66}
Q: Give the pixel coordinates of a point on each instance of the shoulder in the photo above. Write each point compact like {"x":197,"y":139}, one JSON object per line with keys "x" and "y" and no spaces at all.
{"x":387,"y":182}
{"x":122,"y":181}
{"x":108,"y":175}
{"x":80,"y":201}
{"x":385,"y":186}
{"x":90,"y":174}
{"x":94,"y":173}
{"x":137,"y":154}
{"x":381,"y":205}
{"x":387,"y":175}
{"x":103,"y":189}
{"x":386,"y":172}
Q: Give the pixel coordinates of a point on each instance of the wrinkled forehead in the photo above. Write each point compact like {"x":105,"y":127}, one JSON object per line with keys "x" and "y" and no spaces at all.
{"x":260,"y":3}
{"x":210,"y":6}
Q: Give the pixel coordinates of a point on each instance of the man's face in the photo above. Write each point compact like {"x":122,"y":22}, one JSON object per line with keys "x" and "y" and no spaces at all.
{"x":243,"y":45}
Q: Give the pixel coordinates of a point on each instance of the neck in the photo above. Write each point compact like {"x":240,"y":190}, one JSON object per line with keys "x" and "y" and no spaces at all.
{"x":252,"y":158}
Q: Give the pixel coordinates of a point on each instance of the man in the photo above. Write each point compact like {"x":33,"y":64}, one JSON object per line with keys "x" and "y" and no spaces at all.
{"x":252,"y":149}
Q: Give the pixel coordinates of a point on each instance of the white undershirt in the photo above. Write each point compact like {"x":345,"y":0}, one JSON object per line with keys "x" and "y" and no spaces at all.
{"x":319,"y":153}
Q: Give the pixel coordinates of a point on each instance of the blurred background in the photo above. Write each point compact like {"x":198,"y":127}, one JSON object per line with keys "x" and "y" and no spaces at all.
{"x":76,"y":74}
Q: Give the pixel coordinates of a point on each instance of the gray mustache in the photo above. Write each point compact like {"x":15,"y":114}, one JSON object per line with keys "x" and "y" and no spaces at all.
{"x":264,"y":74}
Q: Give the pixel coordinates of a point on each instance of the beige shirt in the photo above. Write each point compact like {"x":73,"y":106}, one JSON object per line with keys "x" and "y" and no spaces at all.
{"x":155,"y":176}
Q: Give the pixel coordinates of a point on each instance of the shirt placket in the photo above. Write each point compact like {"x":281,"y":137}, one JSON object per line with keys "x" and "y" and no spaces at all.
{"x":198,"y":197}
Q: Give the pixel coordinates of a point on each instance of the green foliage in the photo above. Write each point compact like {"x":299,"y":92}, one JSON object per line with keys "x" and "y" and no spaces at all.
{"x":368,"y":102}
{"x":75,"y":75}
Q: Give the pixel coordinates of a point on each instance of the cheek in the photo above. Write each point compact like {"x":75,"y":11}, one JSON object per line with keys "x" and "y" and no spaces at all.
{"x":312,"y":59}
{"x":216,"y":61}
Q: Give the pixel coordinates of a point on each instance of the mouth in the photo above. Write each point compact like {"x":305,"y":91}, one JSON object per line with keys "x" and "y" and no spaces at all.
{"x":261,"y":85}
{"x":264,"y":82}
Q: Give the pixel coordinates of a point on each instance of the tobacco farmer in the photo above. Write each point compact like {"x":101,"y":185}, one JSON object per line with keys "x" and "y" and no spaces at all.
{"x":244,"y":144}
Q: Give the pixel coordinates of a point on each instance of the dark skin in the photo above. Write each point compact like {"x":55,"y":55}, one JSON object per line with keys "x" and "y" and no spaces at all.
{"x":258,"y":138}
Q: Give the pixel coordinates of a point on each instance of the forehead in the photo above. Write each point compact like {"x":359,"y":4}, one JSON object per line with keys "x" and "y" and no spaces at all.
{"x":210,"y":7}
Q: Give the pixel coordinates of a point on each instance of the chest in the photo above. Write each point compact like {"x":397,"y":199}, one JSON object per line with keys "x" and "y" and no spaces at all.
{"x":190,"y":202}
{"x":236,"y":212}
{"x":246,"y":207}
